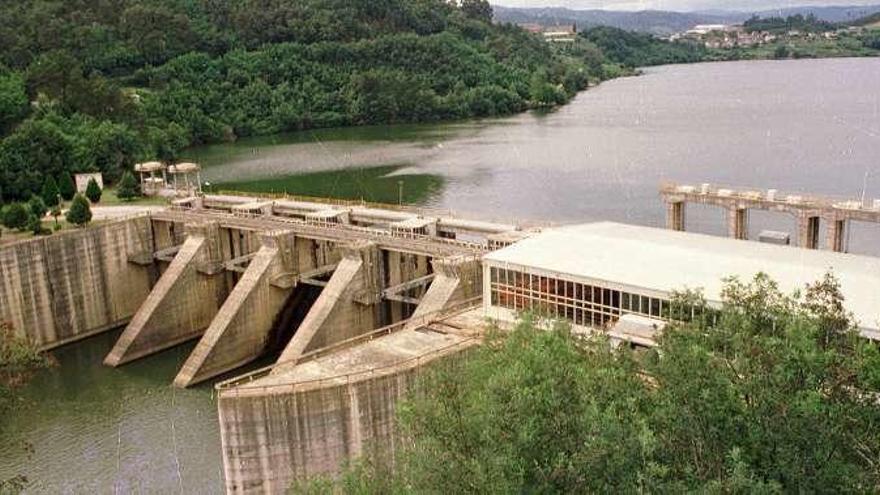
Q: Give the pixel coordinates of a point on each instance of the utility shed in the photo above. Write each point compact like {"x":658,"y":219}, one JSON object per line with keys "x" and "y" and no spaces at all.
{"x":592,"y":274}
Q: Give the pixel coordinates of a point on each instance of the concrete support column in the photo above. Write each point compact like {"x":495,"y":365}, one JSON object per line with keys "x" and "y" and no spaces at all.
{"x":456,"y":279}
{"x":738,"y":222}
{"x":808,"y":231}
{"x":240,"y":331}
{"x":675,"y":217}
{"x":182,"y":303}
{"x":835,"y":233}
{"x":350,"y":304}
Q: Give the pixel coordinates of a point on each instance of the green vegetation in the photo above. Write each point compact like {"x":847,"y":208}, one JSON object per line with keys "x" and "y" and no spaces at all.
{"x":770,"y":394}
{"x":128,"y":187}
{"x":93,"y":191}
{"x":631,"y":49}
{"x":89,"y":86}
{"x":779,"y":25}
{"x":80,"y":213}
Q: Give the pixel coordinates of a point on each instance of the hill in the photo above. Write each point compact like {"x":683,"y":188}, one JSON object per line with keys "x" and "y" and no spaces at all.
{"x":92,"y":85}
{"x":667,"y":22}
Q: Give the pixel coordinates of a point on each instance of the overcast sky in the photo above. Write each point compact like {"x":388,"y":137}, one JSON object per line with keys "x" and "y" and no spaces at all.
{"x":680,"y":5}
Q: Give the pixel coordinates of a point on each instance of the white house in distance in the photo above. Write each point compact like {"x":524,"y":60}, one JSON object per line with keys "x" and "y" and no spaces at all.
{"x":594,"y":274}
{"x":82,"y":181}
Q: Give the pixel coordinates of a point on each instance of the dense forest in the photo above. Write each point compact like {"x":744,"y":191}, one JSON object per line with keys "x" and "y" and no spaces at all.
{"x":92,"y":85}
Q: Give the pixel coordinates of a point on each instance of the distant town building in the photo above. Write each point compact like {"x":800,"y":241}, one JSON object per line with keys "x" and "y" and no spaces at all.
{"x":565,"y":33}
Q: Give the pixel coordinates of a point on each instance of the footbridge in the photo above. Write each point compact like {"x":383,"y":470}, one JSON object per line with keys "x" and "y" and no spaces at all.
{"x":809,"y":211}
{"x":250,"y":276}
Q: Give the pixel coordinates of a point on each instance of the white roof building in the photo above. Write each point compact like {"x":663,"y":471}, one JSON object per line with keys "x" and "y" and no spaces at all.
{"x":634,"y":261}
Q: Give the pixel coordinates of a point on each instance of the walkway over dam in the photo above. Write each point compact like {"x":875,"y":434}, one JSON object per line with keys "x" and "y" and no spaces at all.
{"x":808,"y":210}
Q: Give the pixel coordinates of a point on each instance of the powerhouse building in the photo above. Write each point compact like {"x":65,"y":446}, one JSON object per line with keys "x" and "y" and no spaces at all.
{"x":594,"y":274}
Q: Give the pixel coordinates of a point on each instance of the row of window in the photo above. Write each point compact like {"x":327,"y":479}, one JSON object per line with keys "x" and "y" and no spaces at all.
{"x":582,"y":304}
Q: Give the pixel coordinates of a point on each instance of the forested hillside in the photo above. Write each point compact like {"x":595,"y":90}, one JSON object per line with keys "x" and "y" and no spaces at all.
{"x":98,"y":85}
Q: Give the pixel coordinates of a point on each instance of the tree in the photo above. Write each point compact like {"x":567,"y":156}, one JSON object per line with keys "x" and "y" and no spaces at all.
{"x":773,"y":393}
{"x":128,"y":187}
{"x":37,"y":207}
{"x":80,"y":213}
{"x":477,"y":9}
{"x":35,"y":225}
{"x":50,"y":192}
{"x":13,"y":98}
{"x":16,"y":216}
{"x":66,"y":187}
{"x":93,"y":191}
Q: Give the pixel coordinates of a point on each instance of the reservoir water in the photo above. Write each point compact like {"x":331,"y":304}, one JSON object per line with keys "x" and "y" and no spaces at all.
{"x":808,"y":125}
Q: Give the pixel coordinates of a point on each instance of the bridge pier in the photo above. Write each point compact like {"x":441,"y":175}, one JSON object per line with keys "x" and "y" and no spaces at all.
{"x":738,"y":222}
{"x":457,"y":279}
{"x":808,"y":231}
{"x":675,"y":215}
{"x":183,"y":301}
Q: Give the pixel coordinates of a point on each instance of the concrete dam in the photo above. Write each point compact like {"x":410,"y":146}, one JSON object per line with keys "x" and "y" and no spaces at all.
{"x":249,"y":277}
{"x":357,"y":300}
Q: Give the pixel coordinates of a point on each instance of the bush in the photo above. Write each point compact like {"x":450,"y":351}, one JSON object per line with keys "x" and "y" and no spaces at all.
{"x":37,"y":207}
{"x":93,"y":191}
{"x":35,"y":225}
{"x":66,"y":187}
{"x":80,"y":213}
{"x":16,"y":216}
{"x":50,"y":192}
{"x":128,"y":187}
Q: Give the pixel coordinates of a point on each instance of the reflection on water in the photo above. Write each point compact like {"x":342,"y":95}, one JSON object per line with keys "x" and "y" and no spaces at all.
{"x":798,"y":125}
{"x":373,"y":184}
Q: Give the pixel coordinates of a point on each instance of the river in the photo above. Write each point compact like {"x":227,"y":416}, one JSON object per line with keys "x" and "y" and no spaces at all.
{"x":808,"y":125}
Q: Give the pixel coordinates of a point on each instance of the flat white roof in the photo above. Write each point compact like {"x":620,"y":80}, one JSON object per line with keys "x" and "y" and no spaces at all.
{"x":660,"y":260}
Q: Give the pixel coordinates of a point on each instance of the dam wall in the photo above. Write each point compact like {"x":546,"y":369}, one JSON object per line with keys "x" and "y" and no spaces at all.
{"x":312,"y":420}
{"x":68,"y":286}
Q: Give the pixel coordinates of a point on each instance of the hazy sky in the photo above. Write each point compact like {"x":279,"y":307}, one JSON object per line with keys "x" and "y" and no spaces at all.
{"x":680,"y":5}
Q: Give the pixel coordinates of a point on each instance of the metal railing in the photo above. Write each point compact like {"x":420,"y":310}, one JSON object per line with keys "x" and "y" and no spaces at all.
{"x":242,"y":382}
{"x":430,"y":243}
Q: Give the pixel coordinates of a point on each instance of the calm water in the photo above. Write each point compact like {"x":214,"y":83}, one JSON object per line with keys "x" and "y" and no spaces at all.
{"x":809,"y":125}
{"x":795,"y":125}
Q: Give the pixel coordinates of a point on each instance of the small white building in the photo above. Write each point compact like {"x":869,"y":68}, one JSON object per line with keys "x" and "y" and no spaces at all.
{"x":593,"y":274}
{"x":82,"y":181}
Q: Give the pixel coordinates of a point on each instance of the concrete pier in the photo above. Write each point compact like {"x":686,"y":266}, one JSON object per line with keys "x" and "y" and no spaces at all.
{"x":809,"y":211}
{"x":183,"y":302}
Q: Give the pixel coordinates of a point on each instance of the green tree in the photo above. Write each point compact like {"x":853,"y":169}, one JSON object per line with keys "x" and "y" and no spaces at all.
{"x":128,"y":187}
{"x":56,"y":212}
{"x":93,"y":191}
{"x":477,"y":9}
{"x":35,"y":225}
{"x":50,"y":193}
{"x":80,"y":213}
{"x":66,"y":187}
{"x":13,"y":98}
{"x":772,"y":393}
{"x":16,"y":216}
{"x":37,"y":206}
{"x":35,"y":149}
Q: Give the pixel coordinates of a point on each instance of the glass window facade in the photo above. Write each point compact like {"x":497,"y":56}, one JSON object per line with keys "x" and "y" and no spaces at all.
{"x":581,"y":304}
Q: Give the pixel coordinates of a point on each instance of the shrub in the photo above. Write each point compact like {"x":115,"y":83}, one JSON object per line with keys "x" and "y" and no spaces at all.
{"x":66,"y":187}
{"x":93,"y":191}
{"x":37,"y":207}
{"x":128,"y":187}
{"x":50,"y":192}
{"x":80,"y":213}
{"x":16,"y":216}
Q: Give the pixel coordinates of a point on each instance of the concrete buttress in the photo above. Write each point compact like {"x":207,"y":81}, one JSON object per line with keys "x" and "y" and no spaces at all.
{"x":239,"y":332}
{"x":456,"y":279}
{"x":348,"y":306}
{"x":182,"y":303}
